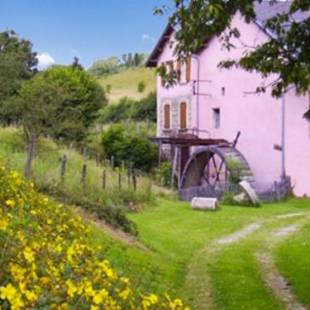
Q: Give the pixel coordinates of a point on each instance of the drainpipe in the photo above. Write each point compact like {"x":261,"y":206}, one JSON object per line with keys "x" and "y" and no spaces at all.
{"x":198,"y":91}
{"x":283,"y":128}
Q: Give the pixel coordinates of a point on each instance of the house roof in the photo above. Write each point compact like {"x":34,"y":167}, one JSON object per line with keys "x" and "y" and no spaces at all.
{"x":263,"y":10}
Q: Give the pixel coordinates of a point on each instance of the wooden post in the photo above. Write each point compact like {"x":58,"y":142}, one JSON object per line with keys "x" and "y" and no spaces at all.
{"x":119,"y":180}
{"x":129,"y":173}
{"x":103,"y":179}
{"x":134,"y":180}
{"x":63,"y":165}
{"x":112,"y":162}
{"x":84,"y":173}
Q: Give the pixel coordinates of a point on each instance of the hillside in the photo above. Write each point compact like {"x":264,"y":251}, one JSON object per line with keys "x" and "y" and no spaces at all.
{"x":125,"y":83}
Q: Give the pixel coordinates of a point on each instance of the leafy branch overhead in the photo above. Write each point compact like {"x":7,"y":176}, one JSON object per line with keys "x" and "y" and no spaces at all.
{"x":285,"y":55}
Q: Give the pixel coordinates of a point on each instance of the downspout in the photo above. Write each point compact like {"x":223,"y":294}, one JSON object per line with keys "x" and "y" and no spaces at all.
{"x":198,"y":92}
{"x":283,"y":136}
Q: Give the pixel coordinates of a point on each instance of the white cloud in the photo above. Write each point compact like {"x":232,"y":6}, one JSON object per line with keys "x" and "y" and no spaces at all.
{"x":45,"y":60}
{"x":147,"y":37}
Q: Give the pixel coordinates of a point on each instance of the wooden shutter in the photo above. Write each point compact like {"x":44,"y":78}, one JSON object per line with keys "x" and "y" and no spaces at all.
{"x":188,"y":68}
{"x":167,"y":116}
{"x":179,"y":68}
{"x":183,"y":115}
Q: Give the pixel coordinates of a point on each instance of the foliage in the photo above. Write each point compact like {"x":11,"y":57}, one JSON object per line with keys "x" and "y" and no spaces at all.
{"x":285,"y":54}
{"x":114,"y":65}
{"x":105,"y":66}
{"x":235,"y":170}
{"x":84,"y":99}
{"x":128,"y":147}
{"x":17,"y":64}
{"x":139,"y":110}
{"x":51,"y":264}
{"x":141,"y":86}
{"x":145,"y":109}
{"x":115,"y":113}
{"x":163,"y":173}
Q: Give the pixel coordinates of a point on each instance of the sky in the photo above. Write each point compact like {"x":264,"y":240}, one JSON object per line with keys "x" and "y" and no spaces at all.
{"x":88,"y":29}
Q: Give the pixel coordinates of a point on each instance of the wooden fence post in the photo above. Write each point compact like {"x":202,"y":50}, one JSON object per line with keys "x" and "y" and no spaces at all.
{"x":84,"y":173}
{"x":112,"y":163}
{"x":134,"y":180}
{"x":103,"y":179}
{"x":63,"y":165}
{"x":119,"y":179}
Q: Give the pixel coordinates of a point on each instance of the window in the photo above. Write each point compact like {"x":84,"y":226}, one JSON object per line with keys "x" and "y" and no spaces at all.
{"x":216,"y":118}
{"x":167,"y":116}
{"x":183,"y":115}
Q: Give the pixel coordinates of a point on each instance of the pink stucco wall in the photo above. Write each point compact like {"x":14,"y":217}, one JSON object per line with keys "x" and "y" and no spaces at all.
{"x":256,"y":116}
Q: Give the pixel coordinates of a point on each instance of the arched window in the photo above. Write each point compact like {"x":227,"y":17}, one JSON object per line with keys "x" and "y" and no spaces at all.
{"x":167,"y":116}
{"x":183,"y":115}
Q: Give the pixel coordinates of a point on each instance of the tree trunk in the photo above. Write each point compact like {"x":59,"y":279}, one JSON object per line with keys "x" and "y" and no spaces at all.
{"x":30,"y":155}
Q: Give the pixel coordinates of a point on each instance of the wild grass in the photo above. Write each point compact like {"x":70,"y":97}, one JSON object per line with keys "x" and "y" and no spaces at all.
{"x":94,"y":193}
{"x":125,"y":83}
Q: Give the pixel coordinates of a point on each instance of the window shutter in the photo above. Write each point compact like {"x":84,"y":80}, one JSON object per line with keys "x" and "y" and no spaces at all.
{"x":188,"y":68}
{"x":183,"y":115}
{"x":179,"y":68}
{"x":167,"y":116}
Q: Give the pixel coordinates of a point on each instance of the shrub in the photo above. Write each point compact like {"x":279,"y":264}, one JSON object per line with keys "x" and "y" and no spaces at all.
{"x":235,"y":170}
{"x":163,"y":173}
{"x":48,"y":262}
{"x":141,"y":86}
{"x":128,"y":147}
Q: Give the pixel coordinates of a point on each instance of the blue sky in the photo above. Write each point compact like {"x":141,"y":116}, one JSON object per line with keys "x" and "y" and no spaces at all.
{"x":89,"y":29}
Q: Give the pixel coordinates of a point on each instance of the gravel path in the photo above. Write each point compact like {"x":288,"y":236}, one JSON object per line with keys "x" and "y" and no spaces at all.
{"x":239,"y":234}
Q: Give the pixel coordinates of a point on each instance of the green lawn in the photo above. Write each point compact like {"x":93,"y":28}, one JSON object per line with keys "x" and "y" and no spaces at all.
{"x":183,"y":258}
{"x":293,"y":260}
{"x":125,"y":83}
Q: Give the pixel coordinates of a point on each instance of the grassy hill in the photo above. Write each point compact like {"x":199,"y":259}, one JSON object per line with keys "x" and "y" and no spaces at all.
{"x":125,"y":83}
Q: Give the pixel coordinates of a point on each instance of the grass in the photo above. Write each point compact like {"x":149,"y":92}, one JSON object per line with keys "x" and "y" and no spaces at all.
{"x":46,"y":176}
{"x":125,"y":83}
{"x":293,"y":260}
{"x":179,"y":252}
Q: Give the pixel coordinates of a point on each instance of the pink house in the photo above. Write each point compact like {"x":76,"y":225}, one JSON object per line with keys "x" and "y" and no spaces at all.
{"x":213,"y":119}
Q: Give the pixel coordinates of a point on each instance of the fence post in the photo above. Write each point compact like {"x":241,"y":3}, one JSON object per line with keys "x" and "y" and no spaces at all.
{"x":119,"y":179}
{"x":134,"y":180}
{"x":63,"y":165}
{"x":112,"y":163}
{"x":103,"y":179}
{"x":84,"y":173}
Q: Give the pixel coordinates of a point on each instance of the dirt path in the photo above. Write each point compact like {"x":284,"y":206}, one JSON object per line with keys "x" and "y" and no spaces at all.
{"x":198,"y":282}
{"x":272,"y":277}
{"x":235,"y":237}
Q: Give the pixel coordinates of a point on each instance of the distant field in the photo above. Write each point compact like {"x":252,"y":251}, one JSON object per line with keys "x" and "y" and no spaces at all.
{"x":126,"y":82}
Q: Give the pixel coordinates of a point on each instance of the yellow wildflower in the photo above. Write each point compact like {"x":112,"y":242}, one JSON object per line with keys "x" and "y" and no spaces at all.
{"x":28,"y":254}
{"x":4,"y":223}
{"x":10,"y":203}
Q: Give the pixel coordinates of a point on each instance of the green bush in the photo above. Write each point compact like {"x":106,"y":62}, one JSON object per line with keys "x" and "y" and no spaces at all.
{"x":163,"y":174}
{"x":141,"y":86}
{"x":128,"y":147}
{"x":128,"y":109}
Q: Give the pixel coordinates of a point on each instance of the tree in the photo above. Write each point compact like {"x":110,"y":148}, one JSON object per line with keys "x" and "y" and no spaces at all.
{"x":17,"y":64}
{"x":286,"y":54}
{"x":38,"y":101}
{"x":126,"y":146}
{"x":104,"y":67}
{"x":85,"y":97}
